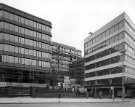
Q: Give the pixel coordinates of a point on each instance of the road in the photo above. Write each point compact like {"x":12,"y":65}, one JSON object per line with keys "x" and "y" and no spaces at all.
{"x":119,"y":104}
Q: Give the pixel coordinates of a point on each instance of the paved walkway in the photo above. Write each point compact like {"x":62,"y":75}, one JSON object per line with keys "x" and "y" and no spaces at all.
{"x":57,"y":100}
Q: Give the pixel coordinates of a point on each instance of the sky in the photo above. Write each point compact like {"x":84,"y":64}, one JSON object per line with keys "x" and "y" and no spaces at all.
{"x":72,"y":20}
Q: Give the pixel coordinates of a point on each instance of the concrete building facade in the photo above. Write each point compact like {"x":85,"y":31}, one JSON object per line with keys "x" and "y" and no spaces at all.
{"x":110,"y":59}
{"x":76,"y":71}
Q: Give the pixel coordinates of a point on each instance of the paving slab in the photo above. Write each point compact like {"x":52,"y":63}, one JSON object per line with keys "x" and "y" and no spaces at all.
{"x":59,"y":100}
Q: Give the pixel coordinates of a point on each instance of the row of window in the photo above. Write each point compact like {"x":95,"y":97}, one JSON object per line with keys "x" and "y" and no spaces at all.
{"x":25,"y":61}
{"x":63,"y":70}
{"x":108,"y":42}
{"x":130,"y":50}
{"x":25,"y":41}
{"x":109,"y":81}
{"x":19,"y":76}
{"x":105,"y":62}
{"x":105,"y":52}
{"x":14,"y":49}
{"x":25,"y":31}
{"x":25,"y":21}
{"x":130,"y":60}
{"x":64,"y":62}
{"x":130,"y":70}
{"x":130,"y":28}
{"x":62,"y":59}
{"x":66,"y":50}
{"x":65,"y":58}
{"x":105,"y":34}
{"x":105,"y":72}
{"x":60,"y":65}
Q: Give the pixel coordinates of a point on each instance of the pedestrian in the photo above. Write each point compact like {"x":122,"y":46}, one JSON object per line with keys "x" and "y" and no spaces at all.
{"x":59,"y":96}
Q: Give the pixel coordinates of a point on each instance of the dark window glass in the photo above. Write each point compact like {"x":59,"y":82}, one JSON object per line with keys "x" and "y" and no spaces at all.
{"x":103,"y":63}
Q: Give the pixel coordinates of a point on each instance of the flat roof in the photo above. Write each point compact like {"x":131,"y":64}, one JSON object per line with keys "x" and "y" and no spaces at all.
{"x":116,"y":20}
{"x":24,"y":14}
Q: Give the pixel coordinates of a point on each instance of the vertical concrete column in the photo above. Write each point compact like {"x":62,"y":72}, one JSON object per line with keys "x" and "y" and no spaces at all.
{"x":95,"y":92}
{"x":123,"y":92}
{"x":123,"y":88}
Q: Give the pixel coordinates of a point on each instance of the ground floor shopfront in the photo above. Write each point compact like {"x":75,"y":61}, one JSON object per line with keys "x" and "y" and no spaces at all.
{"x":127,"y":90}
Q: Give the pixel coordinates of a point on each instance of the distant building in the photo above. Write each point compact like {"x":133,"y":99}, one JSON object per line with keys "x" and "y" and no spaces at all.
{"x":76,"y":71}
{"x":25,"y":51}
{"x":62,"y":56}
{"x":110,"y":58}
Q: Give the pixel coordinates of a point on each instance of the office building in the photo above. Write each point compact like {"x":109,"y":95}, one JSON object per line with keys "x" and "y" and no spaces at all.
{"x":110,"y":59}
{"x":76,"y":71}
{"x":62,"y":56}
{"x":25,"y":52}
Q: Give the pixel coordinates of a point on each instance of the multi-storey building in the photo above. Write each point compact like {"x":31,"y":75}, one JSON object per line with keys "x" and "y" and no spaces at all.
{"x":110,"y":58}
{"x":25,"y":51}
{"x":76,"y":71}
{"x":62,"y":56}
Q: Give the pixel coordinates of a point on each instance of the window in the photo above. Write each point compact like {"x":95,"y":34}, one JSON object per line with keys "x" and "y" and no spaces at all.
{"x":11,"y":16}
{"x":10,"y":59}
{"x":34,"y":33}
{"x":31,"y":32}
{"x":39,"y":26}
{"x":43,"y":27}
{"x":16,"y":49}
{"x":16,"y":59}
{"x":34,"y":52}
{"x":16,"y":39}
{"x":6,"y":14}
{"x":4,"y":59}
{"x":39,"y":35}
{"x":1,"y":13}
{"x":121,"y":24}
{"x":12,"y":38}
{"x":35,"y":24}
{"x":22,"y":20}
{"x":26,"y":21}
{"x":39,"y":54}
{"x":34,"y":62}
{"x":1,"y":46}
{"x":40,"y":63}
{"x":112,"y":30}
{"x":30,"y":23}
{"x":34,"y":43}
{"x":116,"y":27}
{"x":12,"y":27}
{"x":26,"y":51}
{"x":11,"y":49}
{"x":22,"y":50}
{"x":6,"y":26}
{"x":107,"y":33}
{"x":1,"y":25}
{"x":39,"y":44}
{"x":22,"y":60}
{"x":31,"y":52}
{"x":16,"y":28}
{"x":21,"y":30}
{"x":22,"y":40}
{"x":6,"y":36}
{"x":15,"y":18}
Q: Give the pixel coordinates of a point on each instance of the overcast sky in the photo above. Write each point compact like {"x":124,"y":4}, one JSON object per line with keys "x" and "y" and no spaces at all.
{"x":73,"y":19}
